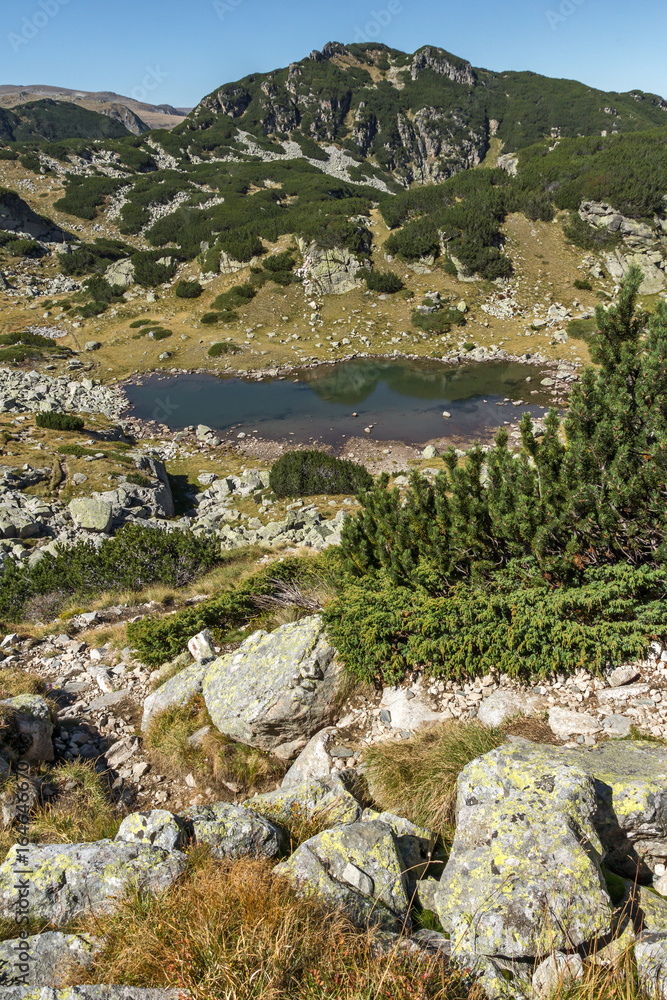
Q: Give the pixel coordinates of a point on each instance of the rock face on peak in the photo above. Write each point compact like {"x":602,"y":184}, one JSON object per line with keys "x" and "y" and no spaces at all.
{"x":442,"y":63}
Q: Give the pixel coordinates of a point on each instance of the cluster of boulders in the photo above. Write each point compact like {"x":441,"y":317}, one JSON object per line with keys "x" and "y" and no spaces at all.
{"x":22,"y":392}
{"x":560,"y":852}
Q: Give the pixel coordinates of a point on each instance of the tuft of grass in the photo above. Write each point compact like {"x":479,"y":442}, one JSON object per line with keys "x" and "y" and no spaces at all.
{"x":416,"y":778}
{"x":14,"y":681}
{"x":80,"y":810}
{"x":233,"y":930}
{"x":238,"y":768}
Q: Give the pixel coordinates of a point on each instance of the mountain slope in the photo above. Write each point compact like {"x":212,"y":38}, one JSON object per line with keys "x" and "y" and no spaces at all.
{"x":53,"y":121}
{"x":137,"y":116}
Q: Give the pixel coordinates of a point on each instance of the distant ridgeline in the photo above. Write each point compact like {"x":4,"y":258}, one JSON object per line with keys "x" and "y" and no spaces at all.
{"x":308,"y":149}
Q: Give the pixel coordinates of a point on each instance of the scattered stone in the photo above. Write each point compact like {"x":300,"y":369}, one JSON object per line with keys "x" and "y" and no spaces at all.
{"x":565,"y":724}
{"x":158,"y":828}
{"x":505,"y":704}
{"x":91,"y":514}
{"x":233,"y":831}
{"x":31,"y":717}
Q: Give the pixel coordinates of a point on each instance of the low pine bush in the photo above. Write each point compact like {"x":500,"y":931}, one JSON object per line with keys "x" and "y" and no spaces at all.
{"x":218,"y":350}
{"x":136,"y":557}
{"x":384,"y":281}
{"x":188,"y":289}
{"x":59,"y":421}
{"x":305,"y":473}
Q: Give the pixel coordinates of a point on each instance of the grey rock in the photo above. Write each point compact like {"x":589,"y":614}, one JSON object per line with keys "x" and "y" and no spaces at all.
{"x":40,"y":959}
{"x":277,"y":689}
{"x":159,"y":828}
{"x":90,"y":514}
{"x":565,"y":723}
{"x":617,"y":725}
{"x":121,"y":273}
{"x":651,"y":957}
{"x":92,"y":345}
{"x":536,"y":883}
{"x":176,"y":691}
{"x":623,"y":675}
{"x":556,"y":971}
{"x":503,"y":704}
{"x":323,"y":799}
{"x":202,"y":646}
{"x":233,"y":831}
{"x":357,"y":868}
{"x":314,"y":761}
{"x":31,"y":718}
{"x":70,"y":880}
{"x":415,"y":843}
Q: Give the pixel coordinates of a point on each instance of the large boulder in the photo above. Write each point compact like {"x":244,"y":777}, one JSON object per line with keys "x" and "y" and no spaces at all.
{"x":651,"y":958}
{"x":40,"y":959}
{"x":330,"y":271}
{"x":277,"y":689}
{"x":524,"y":875}
{"x":70,"y":880}
{"x":314,"y":760}
{"x":91,"y":514}
{"x":120,"y":273}
{"x":357,"y":868}
{"x":29,"y":722}
{"x":631,"y":813}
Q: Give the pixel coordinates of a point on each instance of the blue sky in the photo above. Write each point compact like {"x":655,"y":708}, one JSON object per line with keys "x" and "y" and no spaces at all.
{"x":175,"y":52}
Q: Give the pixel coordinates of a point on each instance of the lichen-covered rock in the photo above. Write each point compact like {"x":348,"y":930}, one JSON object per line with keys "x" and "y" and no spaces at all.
{"x":499,"y":978}
{"x":176,"y":691}
{"x":89,"y":993}
{"x":232,"y":831}
{"x":157,"y":827}
{"x":326,"y":800}
{"x":313,"y":761}
{"x":40,"y":960}
{"x":91,"y":514}
{"x":631,"y":817}
{"x":651,"y":958}
{"x":524,"y":877}
{"x":30,"y":719}
{"x":415,"y":843}
{"x":356,"y":868}
{"x":277,"y":689}
{"x":68,"y":880}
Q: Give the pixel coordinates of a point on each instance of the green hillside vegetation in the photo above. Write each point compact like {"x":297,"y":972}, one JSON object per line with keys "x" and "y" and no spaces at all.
{"x":53,"y":121}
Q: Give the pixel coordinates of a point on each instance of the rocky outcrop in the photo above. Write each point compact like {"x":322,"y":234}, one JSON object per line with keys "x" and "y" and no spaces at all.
{"x":120,"y":273}
{"x":229,"y":831}
{"x":444,"y":64}
{"x":323,"y":799}
{"x":330,"y":272}
{"x":277,"y":689}
{"x":17,"y":217}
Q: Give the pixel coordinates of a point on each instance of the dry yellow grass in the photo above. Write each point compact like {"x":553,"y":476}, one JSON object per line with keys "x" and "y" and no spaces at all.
{"x":233,"y":931}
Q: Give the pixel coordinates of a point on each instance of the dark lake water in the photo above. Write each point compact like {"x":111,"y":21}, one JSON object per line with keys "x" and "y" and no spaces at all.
{"x":404,"y":400}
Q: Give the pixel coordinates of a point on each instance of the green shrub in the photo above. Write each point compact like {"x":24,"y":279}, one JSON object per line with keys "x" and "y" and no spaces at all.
{"x":188,"y":289}
{"x":384,"y":281}
{"x":136,"y":557}
{"x":239,"y":295}
{"x":583,"y":284}
{"x":148,"y":272}
{"x":160,"y":639}
{"x":8,"y":154}
{"x":77,"y":450}
{"x":305,"y":473}
{"x":216,"y":350}
{"x":158,"y":333}
{"x":583,"y":329}
{"x":516,"y":623}
{"x":545,"y":559}
{"x":25,"y":248}
{"x":138,"y":323}
{"x":438,"y":322}
{"x":59,"y":421}
{"x":209,"y":318}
